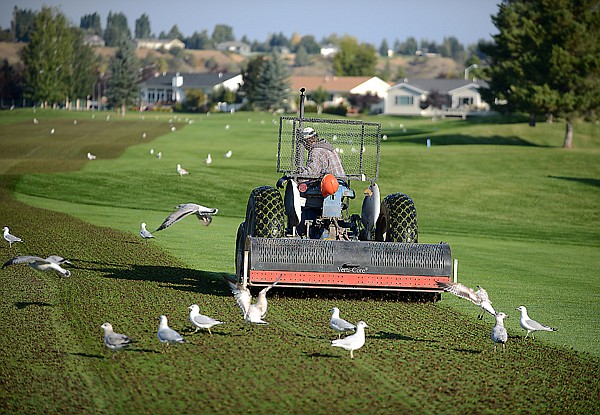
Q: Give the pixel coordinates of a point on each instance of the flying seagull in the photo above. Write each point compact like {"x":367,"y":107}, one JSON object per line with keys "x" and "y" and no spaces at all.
{"x":115,"y":341}
{"x":200,"y":321}
{"x":181,"y":171}
{"x":204,"y":214}
{"x":166,"y":334}
{"x":253,"y":313}
{"x":10,"y":238}
{"x":338,"y":324}
{"x":354,"y":341}
{"x":479,"y":297}
{"x":52,"y":263}
{"x":144,"y":232}
{"x":531,"y":325}
{"x":499,"y":334}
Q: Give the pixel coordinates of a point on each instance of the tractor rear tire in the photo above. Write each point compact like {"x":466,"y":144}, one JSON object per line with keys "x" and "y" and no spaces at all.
{"x":397,"y":220}
{"x":265,"y":217}
{"x":240,"y":241}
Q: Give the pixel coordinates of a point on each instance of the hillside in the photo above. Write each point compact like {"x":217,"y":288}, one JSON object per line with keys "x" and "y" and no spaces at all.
{"x":205,"y":60}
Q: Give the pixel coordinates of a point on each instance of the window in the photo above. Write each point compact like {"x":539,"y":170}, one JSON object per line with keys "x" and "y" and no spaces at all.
{"x":404,"y":100}
{"x":466,"y":101}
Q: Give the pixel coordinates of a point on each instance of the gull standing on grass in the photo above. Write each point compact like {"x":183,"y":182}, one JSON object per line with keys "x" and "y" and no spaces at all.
{"x":208,"y":160}
{"x":52,"y":263}
{"x":531,"y":325}
{"x":354,"y":341}
{"x":10,"y":238}
{"x":228,"y":154}
{"x":479,"y":298}
{"x":201,"y":321}
{"x":253,"y":313}
{"x":339,"y":324}
{"x":115,"y":341}
{"x":144,"y":233}
{"x":181,"y":171}
{"x":204,"y":214}
{"x":499,"y":334}
{"x":167,"y":335}
{"x":91,"y":156}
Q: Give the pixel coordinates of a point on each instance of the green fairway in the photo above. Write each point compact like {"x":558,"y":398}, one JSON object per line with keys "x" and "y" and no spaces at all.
{"x":519,"y":212}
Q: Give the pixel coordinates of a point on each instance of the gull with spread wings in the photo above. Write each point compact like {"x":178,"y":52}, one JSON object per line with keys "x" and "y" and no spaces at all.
{"x":253,"y":313}
{"x":479,"y":298}
{"x":52,"y":263}
{"x":204,"y":214}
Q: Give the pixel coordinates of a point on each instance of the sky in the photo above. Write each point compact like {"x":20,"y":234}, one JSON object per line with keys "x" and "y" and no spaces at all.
{"x":369,"y":21}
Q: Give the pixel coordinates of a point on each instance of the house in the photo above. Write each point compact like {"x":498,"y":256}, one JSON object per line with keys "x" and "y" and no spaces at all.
{"x":170,"y":87}
{"x":240,"y":48}
{"x":340,"y":87}
{"x":165,"y":44}
{"x":93,"y":41}
{"x":329,"y":50}
{"x":408,"y":96}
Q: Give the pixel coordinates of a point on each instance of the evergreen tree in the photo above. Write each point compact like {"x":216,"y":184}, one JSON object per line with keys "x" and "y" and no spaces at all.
{"x":383,"y":48}
{"x":544,"y":59}
{"x":23,"y":24}
{"x":354,"y":59}
{"x":250,"y":76}
{"x":302,"y":58}
{"x":271,"y":91}
{"x":91,"y":23}
{"x":174,"y":33}
{"x":142,"y":27}
{"x":117,"y":29}
{"x":123,"y":84}
{"x":309,"y":44}
{"x":83,"y":68}
{"x":199,"y":41}
{"x":11,"y":82}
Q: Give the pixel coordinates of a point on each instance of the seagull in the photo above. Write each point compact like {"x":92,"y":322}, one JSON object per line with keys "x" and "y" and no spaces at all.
{"x":159,"y":155}
{"x":204,"y":214}
{"x":115,"y":341}
{"x":228,"y":154}
{"x":52,"y":131}
{"x":35,"y":121}
{"x":151,"y":151}
{"x":144,"y":135}
{"x":208,"y":160}
{"x":370,"y":209}
{"x":166,"y":334}
{"x":531,"y":325}
{"x":479,"y":297}
{"x":181,"y":170}
{"x":10,"y":238}
{"x":338,"y":324}
{"x":52,"y":263}
{"x":354,"y":341}
{"x":144,"y":232}
{"x":90,"y":156}
{"x":253,"y":313}
{"x":201,"y":321}
{"x":499,"y":334}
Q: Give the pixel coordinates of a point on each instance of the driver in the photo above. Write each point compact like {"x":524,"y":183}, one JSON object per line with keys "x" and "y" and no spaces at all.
{"x":322,"y":160}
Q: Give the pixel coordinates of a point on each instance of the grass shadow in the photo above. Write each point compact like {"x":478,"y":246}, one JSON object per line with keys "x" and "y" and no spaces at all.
{"x":461,"y":139}
{"x":185,"y":279}
{"x":583,"y":180}
{"x":383,"y":335}
{"x":23,"y":304}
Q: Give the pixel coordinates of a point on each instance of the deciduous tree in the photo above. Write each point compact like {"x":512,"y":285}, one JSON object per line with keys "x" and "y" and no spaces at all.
{"x":354,"y":59}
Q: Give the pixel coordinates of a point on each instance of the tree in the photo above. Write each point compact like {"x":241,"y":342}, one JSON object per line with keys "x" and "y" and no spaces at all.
{"x":48,"y":58}
{"x":11,"y":81}
{"x":91,"y":23}
{"x":142,"y":27}
{"x":174,"y":33}
{"x":319,"y":96}
{"x":22,"y":24}
{"x":271,"y":90}
{"x":84,"y":68}
{"x":302,"y":58}
{"x":199,"y":41}
{"x":544,"y":59}
{"x":353,"y":59}
{"x":383,"y":48}
{"x":222,"y":33}
{"x":117,"y":29}
{"x":309,"y":44}
{"x":123,"y":84}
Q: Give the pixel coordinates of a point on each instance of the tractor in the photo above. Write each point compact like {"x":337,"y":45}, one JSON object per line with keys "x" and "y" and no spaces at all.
{"x":376,"y":250}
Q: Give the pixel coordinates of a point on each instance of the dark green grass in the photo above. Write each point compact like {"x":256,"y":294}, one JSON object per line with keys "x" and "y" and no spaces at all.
{"x":419,"y":358}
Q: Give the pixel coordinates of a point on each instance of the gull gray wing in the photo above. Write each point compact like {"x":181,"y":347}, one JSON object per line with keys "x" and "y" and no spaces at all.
{"x":23,"y":259}
{"x":181,"y":212}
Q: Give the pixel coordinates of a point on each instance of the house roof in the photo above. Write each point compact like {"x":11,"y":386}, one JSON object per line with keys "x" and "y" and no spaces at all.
{"x":440,"y":85}
{"x":328,"y":83}
{"x":191,"y":79}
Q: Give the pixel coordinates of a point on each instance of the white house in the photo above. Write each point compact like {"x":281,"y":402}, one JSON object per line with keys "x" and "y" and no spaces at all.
{"x":165,"y":44}
{"x":170,"y":87}
{"x":407,"y":97}
{"x":240,"y":48}
{"x":340,"y":87}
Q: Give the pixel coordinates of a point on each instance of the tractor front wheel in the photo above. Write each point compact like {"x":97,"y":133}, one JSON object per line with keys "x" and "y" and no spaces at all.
{"x":265,"y":216}
{"x":397,"y":220}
